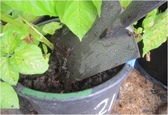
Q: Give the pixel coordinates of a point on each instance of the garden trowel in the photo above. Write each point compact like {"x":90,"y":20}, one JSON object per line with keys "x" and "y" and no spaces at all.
{"x":101,"y":48}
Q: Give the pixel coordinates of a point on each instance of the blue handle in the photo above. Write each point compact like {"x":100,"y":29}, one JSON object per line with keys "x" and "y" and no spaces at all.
{"x":131,"y":63}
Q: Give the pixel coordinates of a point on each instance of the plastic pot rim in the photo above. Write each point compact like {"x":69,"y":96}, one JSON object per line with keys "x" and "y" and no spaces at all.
{"x":148,"y":76}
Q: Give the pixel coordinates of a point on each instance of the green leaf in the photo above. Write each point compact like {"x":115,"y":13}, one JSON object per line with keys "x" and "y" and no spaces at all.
{"x":60,"y":7}
{"x":51,"y":27}
{"x":2,"y":53}
{"x":125,"y":3}
{"x":138,"y":40}
{"x":139,"y":30}
{"x":29,"y":17}
{"x":79,"y":16}
{"x":152,"y":13}
{"x":2,"y":28}
{"x":36,"y":8}
{"x":8,"y":73}
{"x":28,"y":59}
{"x":9,"y":41}
{"x":149,"y":20}
{"x":155,"y":35}
{"x":47,"y":57}
{"x":5,"y":9}
{"x":135,"y":23}
{"x":9,"y":98}
{"x":98,"y":6}
{"x":21,"y":32}
{"x":45,"y":49}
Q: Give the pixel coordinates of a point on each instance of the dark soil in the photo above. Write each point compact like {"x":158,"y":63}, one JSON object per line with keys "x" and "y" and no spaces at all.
{"x":157,"y":67}
{"x":53,"y":80}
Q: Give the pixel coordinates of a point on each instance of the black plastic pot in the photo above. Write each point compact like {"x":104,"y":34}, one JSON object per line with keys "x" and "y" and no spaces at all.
{"x":97,"y":100}
{"x":156,"y":69}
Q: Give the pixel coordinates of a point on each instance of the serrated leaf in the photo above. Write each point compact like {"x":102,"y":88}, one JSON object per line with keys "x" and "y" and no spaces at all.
{"x":98,"y":6}
{"x":79,"y":16}
{"x":28,"y":59}
{"x":36,"y":8}
{"x":51,"y":27}
{"x":8,"y":73}
{"x":155,"y":35}
{"x":9,"y":98}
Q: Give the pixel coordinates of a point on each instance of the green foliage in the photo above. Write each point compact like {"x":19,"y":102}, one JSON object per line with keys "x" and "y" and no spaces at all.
{"x":28,"y":59}
{"x":125,"y":3}
{"x":51,"y":27}
{"x":17,"y":56}
{"x":5,"y":9}
{"x":98,"y":6}
{"x":36,"y":8}
{"x":8,"y":98}
{"x":45,"y":48}
{"x":155,"y":33}
{"x":154,"y":29}
{"x":8,"y":73}
{"x":79,"y":16}
{"x":40,"y":28}
{"x":1,"y":28}
{"x":29,"y":17}
{"x":19,"y":39}
{"x":24,"y":58}
{"x":46,"y":55}
{"x":11,"y":38}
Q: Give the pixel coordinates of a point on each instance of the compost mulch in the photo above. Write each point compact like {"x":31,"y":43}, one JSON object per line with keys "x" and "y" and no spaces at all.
{"x":140,"y":96}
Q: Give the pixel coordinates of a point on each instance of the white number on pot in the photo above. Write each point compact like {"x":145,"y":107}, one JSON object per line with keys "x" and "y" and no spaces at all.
{"x":105,"y":103}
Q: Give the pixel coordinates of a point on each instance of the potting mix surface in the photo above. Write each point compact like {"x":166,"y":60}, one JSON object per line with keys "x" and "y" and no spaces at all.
{"x":138,"y":96}
{"x":55,"y":79}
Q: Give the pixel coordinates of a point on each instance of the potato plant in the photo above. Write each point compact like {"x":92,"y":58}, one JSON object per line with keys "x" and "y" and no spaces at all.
{"x":20,"y":39}
{"x":153,"y":31}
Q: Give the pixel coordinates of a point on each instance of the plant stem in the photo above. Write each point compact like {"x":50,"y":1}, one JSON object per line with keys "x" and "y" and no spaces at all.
{"x":30,"y":30}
